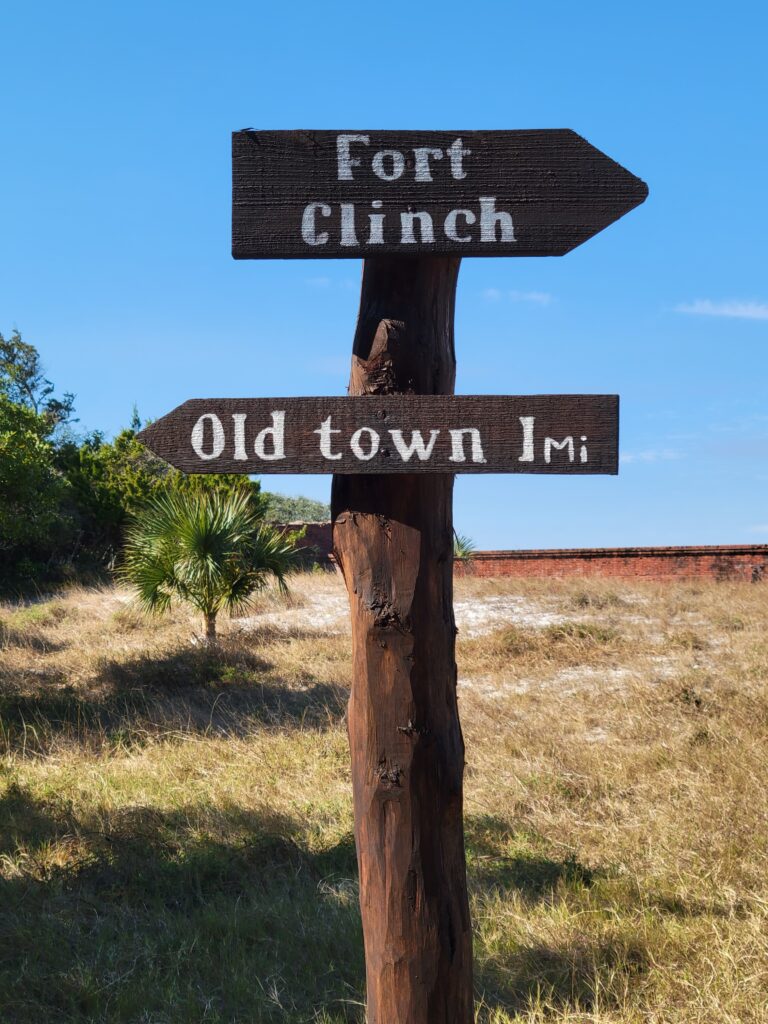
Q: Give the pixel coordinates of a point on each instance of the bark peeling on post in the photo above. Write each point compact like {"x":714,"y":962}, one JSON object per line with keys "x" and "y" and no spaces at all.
{"x":393,"y":538}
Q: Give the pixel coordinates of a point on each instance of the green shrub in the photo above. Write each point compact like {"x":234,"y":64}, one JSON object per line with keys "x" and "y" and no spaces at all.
{"x":33,"y":525}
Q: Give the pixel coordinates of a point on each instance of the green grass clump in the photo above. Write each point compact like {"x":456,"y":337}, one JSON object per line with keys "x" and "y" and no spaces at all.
{"x":565,"y":642}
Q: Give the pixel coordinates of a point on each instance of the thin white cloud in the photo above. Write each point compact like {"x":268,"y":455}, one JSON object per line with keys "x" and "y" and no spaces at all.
{"x":651,"y":455}
{"x":761,"y":528}
{"x":538,"y":298}
{"x":319,"y":282}
{"x":732,"y":308}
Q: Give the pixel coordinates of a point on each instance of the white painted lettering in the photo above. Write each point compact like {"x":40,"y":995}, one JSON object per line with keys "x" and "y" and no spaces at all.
{"x":422,"y":154}
{"x":583,"y":451}
{"x":397,"y":168}
{"x":457,"y":445}
{"x":490,"y":218}
{"x":354,"y":443}
{"x":345,"y":161}
{"x":308,"y":226}
{"x":451,"y":228}
{"x":325,"y":430}
{"x":239,"y":421}
{"x":277,"y":433}
{"x":198,"y":436}
{"x":456,"y":153}
{"x":417,"y":445}
{"x":527,"y":424}
{"x":376,"y":235}
{"x":425,"y":227}
{"x":550,"y":443}
{"x":495,"y":225}
{"x":348,"y":236}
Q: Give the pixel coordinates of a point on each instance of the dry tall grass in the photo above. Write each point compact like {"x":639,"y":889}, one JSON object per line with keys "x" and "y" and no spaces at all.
{"x":176,"y":828}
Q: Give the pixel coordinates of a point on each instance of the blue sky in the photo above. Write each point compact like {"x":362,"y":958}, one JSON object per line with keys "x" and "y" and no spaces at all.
{"x":115,"y":229}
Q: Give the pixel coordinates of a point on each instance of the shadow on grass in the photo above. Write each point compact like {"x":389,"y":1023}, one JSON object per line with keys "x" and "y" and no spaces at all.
{"x":224,"y":691}
{"x":576,"y":977}
{"x":520,"y":974}
{"x":31,"y":639}
{"x":140,"y":914}
{"x":584,"y":972}
{"x":225,"y":913}
{"x":493,"y":868}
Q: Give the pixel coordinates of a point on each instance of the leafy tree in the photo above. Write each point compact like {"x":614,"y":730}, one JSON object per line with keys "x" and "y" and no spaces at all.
{"x":111,"y":480}
{"x":32,"y":491}
{"x":220,"y":483}
{"x":281,"y":508}
{"x":64,"y":499}
{"x":36,"y":529}
{"x":23,"y":382}
{"x":208,"y":549}
{"x":107,"y":481}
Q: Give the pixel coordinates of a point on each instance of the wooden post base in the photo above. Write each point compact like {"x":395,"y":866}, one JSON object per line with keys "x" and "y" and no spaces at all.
{"x":393,"y":538}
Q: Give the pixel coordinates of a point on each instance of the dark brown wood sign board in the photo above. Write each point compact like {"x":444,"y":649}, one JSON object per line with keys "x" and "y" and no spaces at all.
{"x":310,"y":194}
{"x":393,"y":434}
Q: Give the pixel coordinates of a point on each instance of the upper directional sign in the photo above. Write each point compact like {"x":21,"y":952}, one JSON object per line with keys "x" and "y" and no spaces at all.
{"x":307,"y":194}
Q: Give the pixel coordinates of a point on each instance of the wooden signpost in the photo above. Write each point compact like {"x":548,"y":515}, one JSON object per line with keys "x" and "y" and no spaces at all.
{"x":411,"y":204}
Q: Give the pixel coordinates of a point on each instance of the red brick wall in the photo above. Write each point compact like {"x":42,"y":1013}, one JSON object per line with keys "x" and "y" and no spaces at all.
{"x":316,"y":535}
{"x":719,"y":562}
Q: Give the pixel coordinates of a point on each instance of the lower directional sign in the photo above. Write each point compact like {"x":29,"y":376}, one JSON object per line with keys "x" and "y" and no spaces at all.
{"x":391,"y":434}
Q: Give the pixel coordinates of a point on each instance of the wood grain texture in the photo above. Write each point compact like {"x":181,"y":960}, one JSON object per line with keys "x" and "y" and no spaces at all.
{"x":558,"y":189}
{"x":503,"y":423}
{"x":393,"y":539}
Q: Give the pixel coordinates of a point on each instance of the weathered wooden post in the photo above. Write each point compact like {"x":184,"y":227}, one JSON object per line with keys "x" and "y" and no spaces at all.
{"x":393,"y":538}
{"x":411,"y":204}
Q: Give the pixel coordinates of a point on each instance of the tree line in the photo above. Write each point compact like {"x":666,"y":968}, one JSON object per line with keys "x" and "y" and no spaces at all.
{"x":67,"y":495}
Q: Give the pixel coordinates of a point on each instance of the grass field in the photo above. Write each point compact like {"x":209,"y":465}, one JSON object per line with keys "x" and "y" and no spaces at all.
{"x":176,"y":826}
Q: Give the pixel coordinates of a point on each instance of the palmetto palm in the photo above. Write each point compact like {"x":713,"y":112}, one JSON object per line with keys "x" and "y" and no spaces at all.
{"x":210,"y":550}
{"x":463,"y":547}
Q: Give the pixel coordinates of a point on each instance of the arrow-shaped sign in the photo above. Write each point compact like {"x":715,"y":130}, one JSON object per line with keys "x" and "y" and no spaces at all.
{"x":391,"y":434}
{"x":309,"y":194}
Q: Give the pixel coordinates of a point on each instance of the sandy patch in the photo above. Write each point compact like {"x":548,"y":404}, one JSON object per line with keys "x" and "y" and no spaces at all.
{"x":479,"y":616}
{"x":324,"y":614}
{"x":326,"y":611}
{"x":567,"y":682}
